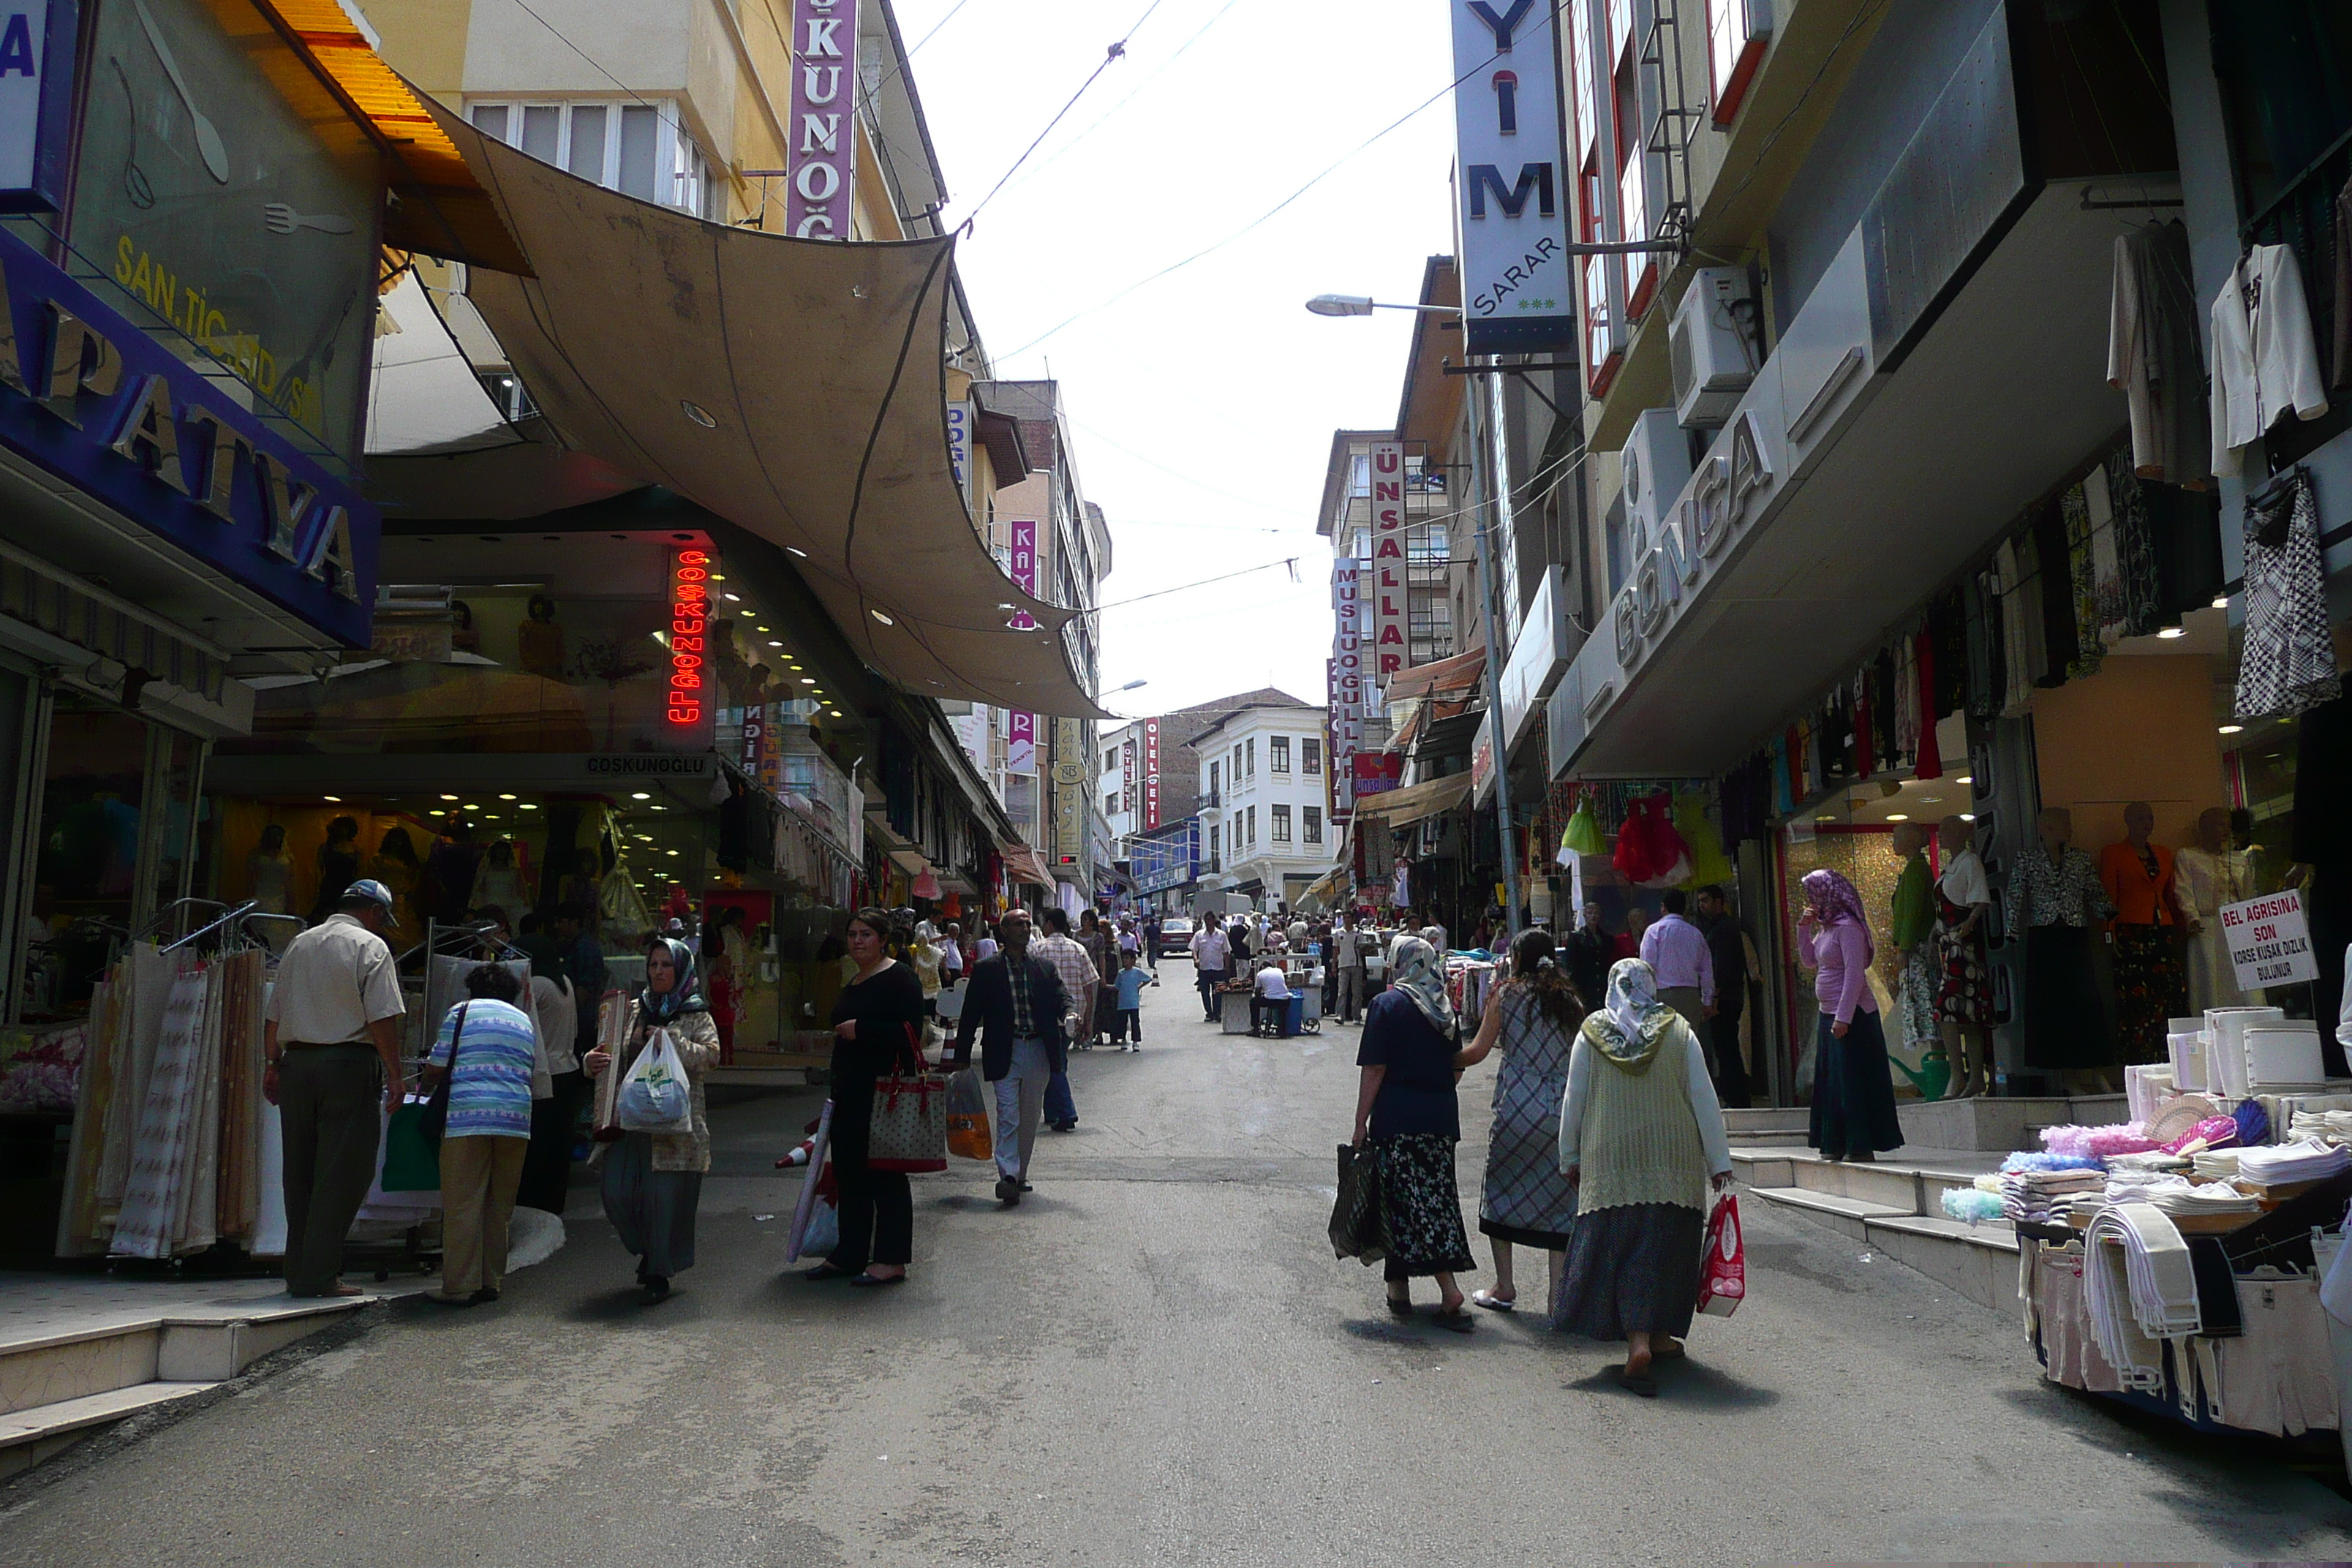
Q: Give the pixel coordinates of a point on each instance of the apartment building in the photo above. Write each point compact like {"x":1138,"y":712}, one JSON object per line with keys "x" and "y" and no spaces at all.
{"x":1268,"y":832}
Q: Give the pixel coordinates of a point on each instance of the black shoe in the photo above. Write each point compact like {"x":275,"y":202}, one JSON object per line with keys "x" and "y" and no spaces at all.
{"x":1008,"y":1191}
{"x":484,"y":1296}
{"x":1027,"y":1188}
{"x":656,"y":1288}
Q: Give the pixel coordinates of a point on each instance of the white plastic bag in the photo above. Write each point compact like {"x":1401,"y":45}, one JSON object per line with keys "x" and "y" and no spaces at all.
{"x":655,"y":1094}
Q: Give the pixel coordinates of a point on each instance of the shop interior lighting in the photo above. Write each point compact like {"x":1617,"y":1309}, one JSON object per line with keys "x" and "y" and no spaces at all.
{"x":808,"y":680}
{"x":1968,"y":816}
{"x":506,"y":798}
{"x":731,"y":598}
{"x":436,"y":811}
{"x":449,"y":797}
{"x":796,"y":550}
{"x":1897,"y":817}
{"x":528,"y":806}
{"x":1964,"y":778}
{"x":332,"y":799}
{"x":2221,"y":601}
{"x":471,"y":806}
{"x":2233,"y":730}
{"x":2167,"y":632}
{"x":641,"y":794}
{"x":834,"y":711}
{"x":780,"y":645}
{"x":883,"y":619}
{"x":1931,"y":799}
{"x":1825,"y":816}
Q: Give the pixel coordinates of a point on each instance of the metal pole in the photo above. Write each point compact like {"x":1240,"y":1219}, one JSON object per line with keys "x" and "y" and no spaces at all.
{"x":1489,"y":483}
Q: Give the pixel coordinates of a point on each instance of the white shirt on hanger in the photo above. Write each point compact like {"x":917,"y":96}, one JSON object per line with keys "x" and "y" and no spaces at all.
{"x":2264,"y":360}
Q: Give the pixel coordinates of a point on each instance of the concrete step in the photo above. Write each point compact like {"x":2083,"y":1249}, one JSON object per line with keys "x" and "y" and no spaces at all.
{"x":31,"y":1435}
{"x":2002,"y":1123}
{"x":1852,"y":1216}
{"x":1979,"y":1261}
{"x":1890,"y":1185}
{"x":1766,"y":1119}
{"x":1792,"y":1138}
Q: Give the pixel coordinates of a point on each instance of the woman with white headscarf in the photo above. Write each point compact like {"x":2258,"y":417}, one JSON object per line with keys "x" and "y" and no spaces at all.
{"x":1641,"y":1136}
{"x":1406,"y":1111}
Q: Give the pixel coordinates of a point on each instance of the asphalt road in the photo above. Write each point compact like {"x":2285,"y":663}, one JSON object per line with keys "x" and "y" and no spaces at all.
{"x":1155,"y":1359}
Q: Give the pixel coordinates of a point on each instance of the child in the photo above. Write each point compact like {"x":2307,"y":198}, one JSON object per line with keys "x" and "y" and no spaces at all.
{"x":1132,"y":979}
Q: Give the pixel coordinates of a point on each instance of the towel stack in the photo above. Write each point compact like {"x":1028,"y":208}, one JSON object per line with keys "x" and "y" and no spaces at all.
{"x":2321,"y":1126}
{"x":2140,"y":1292}
{"x":2177,"y":1195}
{"x":2037,"y":1197}
{"x":2218,"y":1164}
{"x":2306,"y":1160}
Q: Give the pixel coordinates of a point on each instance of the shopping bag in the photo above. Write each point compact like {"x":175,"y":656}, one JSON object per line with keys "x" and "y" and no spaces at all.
{"x":411,"y":1162}
{"x":1723,"y":1277}
{"x":909,"y":1130}
{"x":823,"y":1232}
{"x":820,"y":1175}
{"x":968,"y":1134}
{"x":655,"y":1095}
{"x":1356,"y":1213}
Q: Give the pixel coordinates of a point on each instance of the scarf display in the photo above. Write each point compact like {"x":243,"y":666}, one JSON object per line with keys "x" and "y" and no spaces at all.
{"x":1632,"y":1023}
{"x":661,"y":1007}
{"x":1415,"y":970}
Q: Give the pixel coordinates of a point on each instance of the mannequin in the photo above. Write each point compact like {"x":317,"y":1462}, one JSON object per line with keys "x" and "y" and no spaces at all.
{"x":1963,"y":995}
{"x":272,"y":871}
{"x":396,"y":865}
{"x":2136,"y":874}
{"x":338,"y":865}
{"x":1914,"y":928}
{"x":500,"y":884}
{"x":2054,"y":900}
{"x":2208,"y":873}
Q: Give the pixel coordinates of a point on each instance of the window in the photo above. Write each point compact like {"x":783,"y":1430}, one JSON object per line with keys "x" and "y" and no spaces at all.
{"x":1216,"y":838}
{"x":1235,"y":770}
{"x":1111,"y":761}
{"x":1252,"y":826}
{"x":1313,"y":825}
{"x":1278,"y":825}
{"x":1213,"y":770}
{"x":1111,"y":802}
{"x":1310,"y":756}
{"x":1249,"y":757}
{"x":1277,"y":754}
{"x":638,"y":149}
{"x":799,"y":774}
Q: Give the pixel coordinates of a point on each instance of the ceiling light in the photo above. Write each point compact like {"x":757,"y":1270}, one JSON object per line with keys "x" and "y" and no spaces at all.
{"x":808,"y":680}
{"x":659,"y":807}
{"x":471,"y":806}
{"x":2233,"y":730}
{"x":732,"y":598}
{"x":780,"y":645}
{"x":1968,"y":816}
{"x":641,"y":794}
{"x":795,"y":550}
{"x":1004,"y":606}
{"x":699,"y":415}
{"x":2168,"y":633}
{"x":1931,"y":799}
{"x":506,"y":798}
{"x":436,"y":811}
{"x":449,"y":797}
{"x":335,"y":798}
{"x":1964,"y":778}
{"x":883,"y":619}
{"x":2221,"y":601}
{"x":834,"y":711}
{"x":673,"y":854}
{"x":527,"y":807}
{"x":1825,"y":816}
{"x":1897,"y":817}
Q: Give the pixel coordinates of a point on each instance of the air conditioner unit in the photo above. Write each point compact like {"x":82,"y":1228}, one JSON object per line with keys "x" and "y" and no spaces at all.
{"x":1713,"y":361}
{"x":1656,"y":465}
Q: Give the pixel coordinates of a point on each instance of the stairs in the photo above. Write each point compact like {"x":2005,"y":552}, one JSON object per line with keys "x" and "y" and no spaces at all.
{"x":1894,"y":1206}
{"x":80,"y":1352}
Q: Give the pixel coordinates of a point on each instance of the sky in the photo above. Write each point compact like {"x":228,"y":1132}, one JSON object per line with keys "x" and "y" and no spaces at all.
{"x":1203,"y":403}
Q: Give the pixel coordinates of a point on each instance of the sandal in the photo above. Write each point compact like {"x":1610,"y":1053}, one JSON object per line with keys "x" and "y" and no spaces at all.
{"x":1400,"y":1308}
{"x":1643,"y":1384}
{"x":1494,"y":1303}
{"x":878,"y":1280}
{"x":826,"y":1271}
{"x":1456,"y":1322}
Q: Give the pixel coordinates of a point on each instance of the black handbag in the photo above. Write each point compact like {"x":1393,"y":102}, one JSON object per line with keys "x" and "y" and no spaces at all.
{"x":434,"y":1123}
{"x":1356,"y":1214}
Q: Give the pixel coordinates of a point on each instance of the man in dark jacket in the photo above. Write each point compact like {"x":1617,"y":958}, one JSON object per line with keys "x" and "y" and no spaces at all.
{"x":1015,"y":1001}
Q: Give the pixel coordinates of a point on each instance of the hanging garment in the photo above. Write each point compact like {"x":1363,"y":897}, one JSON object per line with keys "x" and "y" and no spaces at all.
{"x":2153,"y":356}
{"x":1709,"y":866}
{"x":2185,"y":537}
{"x":1784,"y":796}
{"x":1906,"y":700}
{"x":2263,"y":359}
{"x":1929,"y":762}
{"x":2339,"y":358}
{"x":2206,"y":880}
{"x":2288,"y":662}
{"x":1987,"y":679}
{"x":2107,"y":563}
{"x":1948,"y":632}
{"x":2058,"y":648}
{"x":2082,"y":573}
{"x":2012,"y":577}
{"x":2143,"y":608}
{"x":1885,"y":689}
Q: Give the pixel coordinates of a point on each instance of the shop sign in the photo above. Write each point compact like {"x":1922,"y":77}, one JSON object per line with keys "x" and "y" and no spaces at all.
{"x":1346,"y":698}
{"x":1150,"y":774}
{"x":1391,"y":651}
{"x":823,"y":151}
{"x":1019,"y":742}
{"x":1021,"y":729}
{"x":1377,"y":773}
{"x":1515,"y":286}
{"x":689,"y":622}
{"x":962,"y":422}
{"x":649,"y":765}
{"x":1724,"y":495}
{"x":95,"y":401}
{"x":1538,"y":657}
{"x":755,"y":730}
{"x":36,"y":55}
{"x":1481,"y":760}
{"x":1127,"y":776}
{"x":2270,"y":941}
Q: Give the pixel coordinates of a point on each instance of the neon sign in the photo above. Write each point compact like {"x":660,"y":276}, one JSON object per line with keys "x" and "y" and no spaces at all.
{"x":689,"y":618}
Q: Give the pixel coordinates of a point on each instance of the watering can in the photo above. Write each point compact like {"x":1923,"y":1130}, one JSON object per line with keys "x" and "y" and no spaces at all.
{"x":1933,"y":1077}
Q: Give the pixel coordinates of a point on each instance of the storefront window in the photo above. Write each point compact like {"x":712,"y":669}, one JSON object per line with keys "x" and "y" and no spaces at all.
{"x":228,"y":204}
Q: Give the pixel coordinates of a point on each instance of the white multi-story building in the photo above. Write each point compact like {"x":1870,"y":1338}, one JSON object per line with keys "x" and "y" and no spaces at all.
{"x":1265,"y":799}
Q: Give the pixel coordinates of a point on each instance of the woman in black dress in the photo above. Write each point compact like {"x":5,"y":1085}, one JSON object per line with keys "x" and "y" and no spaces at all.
{"x":1406,"y":1110}
{"x":339,"y":865}
{"x":877,"y":1023}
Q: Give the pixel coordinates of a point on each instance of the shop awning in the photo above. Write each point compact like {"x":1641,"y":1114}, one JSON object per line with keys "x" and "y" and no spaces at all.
{"x":1323,"y":889}
{"x":1026,"y":864}
{"x":1459,"y":673}
{"x":795,"y":387}
{"x":1403,"y":807}
{"x":423,"y":393}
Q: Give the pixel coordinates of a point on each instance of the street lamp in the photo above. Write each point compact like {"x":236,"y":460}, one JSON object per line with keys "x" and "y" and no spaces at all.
{"x":1364,"y":305}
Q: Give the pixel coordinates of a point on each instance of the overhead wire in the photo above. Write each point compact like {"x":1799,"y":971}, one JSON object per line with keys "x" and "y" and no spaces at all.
{"x":1140,"y":89}
{"x":1116,"y":52}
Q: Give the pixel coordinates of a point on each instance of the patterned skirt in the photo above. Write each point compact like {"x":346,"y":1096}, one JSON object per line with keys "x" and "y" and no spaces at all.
{"x":1966,"y":996}
{"x":1923,"y":983}
{"x":1630,"y":1269}
{"x":2150,"y":988}
{"x":1421,"y":1207}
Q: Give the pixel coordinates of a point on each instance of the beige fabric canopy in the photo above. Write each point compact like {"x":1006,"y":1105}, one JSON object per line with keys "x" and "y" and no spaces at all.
{"x":1403,"y":807}
{"x":796,"y":387}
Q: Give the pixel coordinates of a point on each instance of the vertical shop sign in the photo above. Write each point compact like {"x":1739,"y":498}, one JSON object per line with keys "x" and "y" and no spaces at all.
{"x":1515,"y":291}
{"x":755,"y":731}
{"x":36,"y":71}
{"x":1127,"y":776}
{"x":1021,"y":729}
{"x":1150,"y":774}
{"x":823,"y":150}
{"x":1390,"y":650}
{"x":1346,"y":685}
{"x":689,"y":619}
{"x":962,"y":420}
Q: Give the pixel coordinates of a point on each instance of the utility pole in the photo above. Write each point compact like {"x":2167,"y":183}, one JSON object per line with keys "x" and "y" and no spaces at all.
{"x":1489,"y":483}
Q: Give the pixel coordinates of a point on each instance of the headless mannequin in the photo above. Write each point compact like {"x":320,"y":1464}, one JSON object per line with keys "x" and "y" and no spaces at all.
{"x":2056,"y":827}
{"x":1969,"y":1045}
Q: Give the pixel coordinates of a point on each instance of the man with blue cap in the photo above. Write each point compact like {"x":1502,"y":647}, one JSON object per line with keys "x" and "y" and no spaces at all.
{"x":332,"y":1035}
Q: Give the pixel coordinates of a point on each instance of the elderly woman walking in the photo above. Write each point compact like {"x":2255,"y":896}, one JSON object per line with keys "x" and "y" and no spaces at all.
{"x":1406,"y":1110}
{"x":653,"y":1181}
{"x":1527,"y":1201}
{"x":1853,"y":1093}
{"x":1641,"y":1137}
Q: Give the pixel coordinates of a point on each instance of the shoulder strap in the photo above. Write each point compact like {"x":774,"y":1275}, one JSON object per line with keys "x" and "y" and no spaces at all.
{"x":458,"y":1037}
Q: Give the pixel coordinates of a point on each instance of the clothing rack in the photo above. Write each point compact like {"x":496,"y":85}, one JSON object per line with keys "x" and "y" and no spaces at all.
{"x":169,"y":913}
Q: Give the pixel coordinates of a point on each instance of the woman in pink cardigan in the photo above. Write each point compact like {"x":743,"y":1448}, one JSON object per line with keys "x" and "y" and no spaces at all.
{"x":1853,"y":1090}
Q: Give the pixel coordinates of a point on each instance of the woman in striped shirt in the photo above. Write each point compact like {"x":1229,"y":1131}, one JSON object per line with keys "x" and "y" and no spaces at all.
{"x":494,"y":1047}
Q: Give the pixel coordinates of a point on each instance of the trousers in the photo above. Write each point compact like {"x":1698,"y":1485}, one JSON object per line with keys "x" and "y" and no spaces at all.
{"x":330,"y":1105}
{"x":478,"y":1178}
{"x":877,"y":1207}
{"x":1208,"y":980}
{"x":1352,"y":993}
{"x":1021,"y":1108}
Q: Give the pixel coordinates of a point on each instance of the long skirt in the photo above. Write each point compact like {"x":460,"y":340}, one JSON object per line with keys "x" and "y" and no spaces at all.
{"x":1526,"y":1200}
{"x":1853,"y":1093}
{"x":1630,"y":1269}
{"x":1421,"y":1207}
{"x":2150,"y":988}
{"x":1965,"y":995}
{"x":652,"y":1211}
{"x":554,"y":1126}
{"x":2066,"y":1022}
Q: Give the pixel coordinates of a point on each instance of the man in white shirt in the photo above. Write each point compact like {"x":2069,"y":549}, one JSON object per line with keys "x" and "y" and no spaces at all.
{"x":1210,"y":956}
{"x":1677,"y":953}
{"x":331,"y":1036}
{"x":1271,"y":999}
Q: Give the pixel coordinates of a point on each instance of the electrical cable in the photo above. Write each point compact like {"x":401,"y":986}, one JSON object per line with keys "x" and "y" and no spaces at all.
{"x":1183,"y":587}
{"x":1139,"y":90}
{"x":1116,"y":52}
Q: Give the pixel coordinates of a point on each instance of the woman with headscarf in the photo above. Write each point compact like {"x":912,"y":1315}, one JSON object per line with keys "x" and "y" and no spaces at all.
{"x":1405,"y":1111}
{"x":1527,"y":1201}
{"x":1853,"y":1091}
{"x":878,"y":1025}
{"x":653,"y":1181}
{"x":1640,"y":1139}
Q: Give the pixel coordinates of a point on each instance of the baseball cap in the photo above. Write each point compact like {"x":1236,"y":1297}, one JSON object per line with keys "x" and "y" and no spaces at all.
{"x":369,"y":887}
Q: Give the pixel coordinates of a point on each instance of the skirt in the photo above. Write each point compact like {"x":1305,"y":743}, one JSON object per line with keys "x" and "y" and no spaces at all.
{"x":1923,"y":981}
{"x":652,"y":1211}
{"x":2065,"y":1022}
{"x":1421,"y":1207}
{"x":2150,"y":988}
{"x":1632,"y":1269}
{"x":1526,"y":1201}
{"x":1966,"y":996}
{"x":1853,"y":1091}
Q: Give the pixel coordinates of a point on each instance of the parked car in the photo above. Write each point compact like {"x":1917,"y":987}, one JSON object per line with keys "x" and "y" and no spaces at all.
{"x":1176,"y":937}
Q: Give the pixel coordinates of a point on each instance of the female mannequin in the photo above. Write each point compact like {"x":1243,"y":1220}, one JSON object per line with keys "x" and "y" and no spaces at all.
{"x":2137,"y":878}
{"x":1964,"y":1002}
{"x":1914,"y":928}
{"x":272,"y":871}
{"x":2211,"y":873}
{"x":2054,"y":900}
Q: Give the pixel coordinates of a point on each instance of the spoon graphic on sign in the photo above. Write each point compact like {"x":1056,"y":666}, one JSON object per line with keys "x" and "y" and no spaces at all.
{"x":208,"y":142}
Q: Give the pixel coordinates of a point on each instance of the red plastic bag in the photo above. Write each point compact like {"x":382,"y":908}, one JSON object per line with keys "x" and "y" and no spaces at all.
{"x":1723,"y":1277}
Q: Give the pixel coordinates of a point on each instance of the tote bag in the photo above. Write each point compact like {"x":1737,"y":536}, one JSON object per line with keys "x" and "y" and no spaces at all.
{"x":908,"y":1131}
{"x":1723,"y":1278}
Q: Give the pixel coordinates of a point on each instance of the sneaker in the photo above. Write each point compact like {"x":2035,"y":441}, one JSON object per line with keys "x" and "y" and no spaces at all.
{"x":1008,"y":1191}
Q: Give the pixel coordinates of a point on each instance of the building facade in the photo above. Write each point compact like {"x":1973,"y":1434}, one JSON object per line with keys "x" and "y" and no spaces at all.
{"x":1269,"y":833}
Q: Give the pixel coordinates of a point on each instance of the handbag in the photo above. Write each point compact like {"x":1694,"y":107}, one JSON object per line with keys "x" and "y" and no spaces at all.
{"x":432,"y":1121}
{"x":968,"y":1134}
{"x":908,"y":1129}
{"x":1723,"y":1279}
{"x":1356,"y":1213}
{"x":411,"y":1162}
